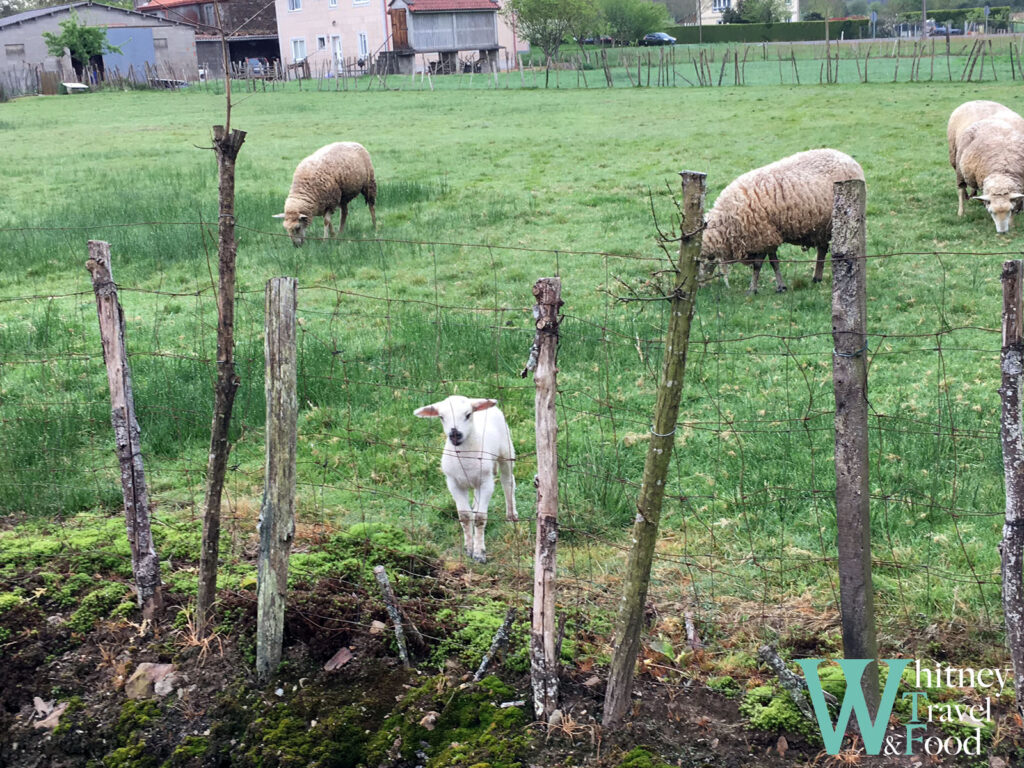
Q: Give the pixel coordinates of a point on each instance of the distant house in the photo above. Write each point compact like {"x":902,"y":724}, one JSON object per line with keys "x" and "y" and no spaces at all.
{"x":337,"y":36}
{"x":251,"y":27}
{"x":711,"y":11}
{"x":166,"y":47}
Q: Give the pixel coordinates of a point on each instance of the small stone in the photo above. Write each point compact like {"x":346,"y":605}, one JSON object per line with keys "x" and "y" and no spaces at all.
{"x":429,"y":720}
{"x":376,"y":627}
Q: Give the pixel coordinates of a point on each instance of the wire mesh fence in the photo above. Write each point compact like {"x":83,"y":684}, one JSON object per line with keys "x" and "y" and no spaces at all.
{"x":748,"y":532}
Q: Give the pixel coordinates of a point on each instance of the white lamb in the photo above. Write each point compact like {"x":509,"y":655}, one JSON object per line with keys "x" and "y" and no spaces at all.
{"x":986,"y":149}
{"x":788,"y":201}
{"x":477,"y":447}
{"x":329,"y":178}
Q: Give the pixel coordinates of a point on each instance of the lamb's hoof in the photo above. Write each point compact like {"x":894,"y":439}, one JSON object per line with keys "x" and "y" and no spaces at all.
{"x":752,"y":292}
{"x":781,"y":289}
{"x":513,"y":518}
{"x":479,"y":558}
{"x":815,"y":279}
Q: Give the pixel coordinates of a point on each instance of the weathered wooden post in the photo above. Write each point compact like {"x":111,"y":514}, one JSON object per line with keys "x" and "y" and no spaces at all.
{"x":850,"y":383}
{"x":145,"y":562}
{"x":1011,"y":549}
{"x":227,"y":144}
{"x":277,"y":513}
{"x":629,"y":623}
{"x":543,"y":645}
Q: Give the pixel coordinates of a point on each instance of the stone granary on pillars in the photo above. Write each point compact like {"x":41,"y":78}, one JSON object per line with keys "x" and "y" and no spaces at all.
{"x":444,"y":28}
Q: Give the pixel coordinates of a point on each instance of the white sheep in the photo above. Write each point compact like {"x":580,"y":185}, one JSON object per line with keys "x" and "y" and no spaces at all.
{"x":328,"y":179}
{"x":986,"y":149}
{"x":478,"y":445}
{"x":788,"y":201}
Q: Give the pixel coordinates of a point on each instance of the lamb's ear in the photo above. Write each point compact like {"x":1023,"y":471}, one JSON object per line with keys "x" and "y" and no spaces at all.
{"x":1016,"y":196}
{"x":427,"y":412}
{"x":278,"y":216}
{"x":482,"y":403}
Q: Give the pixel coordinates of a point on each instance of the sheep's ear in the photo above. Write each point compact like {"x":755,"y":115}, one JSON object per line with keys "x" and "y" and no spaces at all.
{"x":982,"y":198}
{"x":427,"y":412}
{"x":1016,"y":196}
{"x":278,"y":216}
{"x":483,"y":403}
{"x":304,"y":218}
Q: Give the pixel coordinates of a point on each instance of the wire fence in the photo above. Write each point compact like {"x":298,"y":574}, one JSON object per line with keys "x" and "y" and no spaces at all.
{"x":748,"y":533}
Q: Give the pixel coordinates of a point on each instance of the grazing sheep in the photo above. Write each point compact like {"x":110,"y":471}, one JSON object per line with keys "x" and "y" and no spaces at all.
{"x":477,"y":447}
{"x":988,"y":155}
{"x":328,"y":179}
{"x":788,"y":201}
{"x":971,"y":112}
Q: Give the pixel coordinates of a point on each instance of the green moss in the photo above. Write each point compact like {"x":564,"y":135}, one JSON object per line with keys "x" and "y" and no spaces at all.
{"x":97,"y":605}
{"x":345,"y":556}
{"x":133,"y":755}
{"x":641,"y":757}
{"x":724,"y":684}
{"x":302,"y":732}
{"x":190,"y":752}
{"x":135,"y":716}
{"x":471,"y":730}
{"x":768,"y":708}
{"x":10,"y":600}
{"x":472,"y":635}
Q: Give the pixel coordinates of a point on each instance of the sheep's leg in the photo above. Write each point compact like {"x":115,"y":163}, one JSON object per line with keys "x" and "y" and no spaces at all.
{"x":370,"y":196}
{"x":819,"y":266}
{"x":465,"y":511}
{"x":344,"y":216}
{"x":481,"y":501}
{"x":773,"y":259}
{"x":329,"y":222}
{"x":508,"y":486}
{"x":755,"y":266}
{"x":961,"y":195}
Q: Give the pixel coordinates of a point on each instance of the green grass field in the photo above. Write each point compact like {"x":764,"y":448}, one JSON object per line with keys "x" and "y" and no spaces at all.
{"x":481,"y":193}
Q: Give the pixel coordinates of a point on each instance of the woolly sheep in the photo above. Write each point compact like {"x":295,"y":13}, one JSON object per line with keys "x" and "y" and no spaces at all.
{"x":478,"y":446}
{"x":986,"y":148}
{"x":328,"y":179}
{"x":788,"y":201}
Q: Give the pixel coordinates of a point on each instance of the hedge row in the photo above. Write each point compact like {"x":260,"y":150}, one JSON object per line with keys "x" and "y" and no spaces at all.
{"x":783,"y":32}
{"x":999,"y":17}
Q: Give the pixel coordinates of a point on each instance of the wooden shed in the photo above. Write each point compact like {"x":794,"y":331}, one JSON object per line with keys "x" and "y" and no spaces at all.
{"x":444,"y":27}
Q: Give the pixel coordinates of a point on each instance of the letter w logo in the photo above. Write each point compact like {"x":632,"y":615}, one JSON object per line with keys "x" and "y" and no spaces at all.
{"x":853,"y":701}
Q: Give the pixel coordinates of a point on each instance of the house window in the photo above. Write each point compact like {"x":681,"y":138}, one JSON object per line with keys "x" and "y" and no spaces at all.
{"x":720,"y":5}
{"x":14,"y":50}
{"x":159,"y":42}
{"x":332,"y":3}
{"x":321,"y":42}
{"x":298,"y":49}
{"x":360,"y":2}
{"x":294,"y":5}
{"x":364,"y":46}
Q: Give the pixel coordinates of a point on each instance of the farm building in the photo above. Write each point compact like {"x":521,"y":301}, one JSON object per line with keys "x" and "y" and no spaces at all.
{"x":252,"y":25}
{"x":168,"y":47}
{"x":351,"y":36}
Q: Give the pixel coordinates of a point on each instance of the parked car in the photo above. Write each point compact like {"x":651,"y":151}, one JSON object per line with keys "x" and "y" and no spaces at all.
{"x":257,"y":66}
{"x":941,"y":31}
{"x":602,"y":40}
{"x":657,"y":38}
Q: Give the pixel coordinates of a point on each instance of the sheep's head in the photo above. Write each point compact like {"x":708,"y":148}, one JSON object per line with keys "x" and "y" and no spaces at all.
{"x":295,"y":224}
{"x":456,"y":415}
{"x":1001,"y":198}
{"x":712,"y":250}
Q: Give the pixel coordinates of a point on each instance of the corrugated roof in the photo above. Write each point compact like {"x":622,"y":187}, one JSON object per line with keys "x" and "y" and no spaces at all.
{"x":20,"y":18}
{"x":158,"y":5}
{"x":435,"y":6}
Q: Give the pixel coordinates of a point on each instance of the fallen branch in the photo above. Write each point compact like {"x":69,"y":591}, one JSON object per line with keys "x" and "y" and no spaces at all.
{"x":501,"y":638}
{"x":791,"y":682}
{"x":396,"y":616}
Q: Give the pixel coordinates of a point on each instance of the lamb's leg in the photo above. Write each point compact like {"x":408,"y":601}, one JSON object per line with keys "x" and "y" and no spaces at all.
{"x":508,"y":486}
{"x":819,"y":266}
{"x":344,"y":216}
{"x":481,"y":500}
{"x":465,"y":511}
{"x":773,"y":259}
{"x":755,"y":266}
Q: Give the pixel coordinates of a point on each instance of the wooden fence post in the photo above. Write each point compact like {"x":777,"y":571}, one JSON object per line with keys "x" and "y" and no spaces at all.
{"x":1011,"y":549}
{"x":543,"y":645}
{"x":227,"y":145}
{"x":629,"y":624}
{"x":849,"y":377}
{"x":145,"y":562}
{"x":277,"y":513}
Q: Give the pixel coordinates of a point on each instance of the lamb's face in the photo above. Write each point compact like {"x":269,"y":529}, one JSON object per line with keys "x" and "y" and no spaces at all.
{"x":1001,"y":208}
{"x":456,"y":415}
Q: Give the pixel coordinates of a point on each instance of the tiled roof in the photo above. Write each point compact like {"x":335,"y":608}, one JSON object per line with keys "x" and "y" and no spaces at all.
{"x":433,"y":6}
